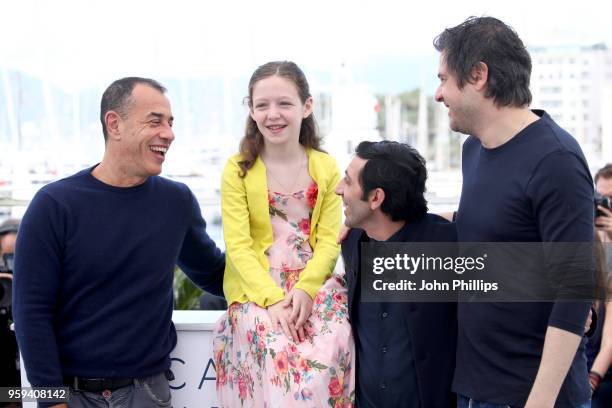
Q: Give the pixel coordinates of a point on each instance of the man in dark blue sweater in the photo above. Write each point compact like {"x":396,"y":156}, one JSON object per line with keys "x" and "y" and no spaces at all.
{"x":524,"y":180}
{"x":405,"y":350}
{"x":95,"y":259}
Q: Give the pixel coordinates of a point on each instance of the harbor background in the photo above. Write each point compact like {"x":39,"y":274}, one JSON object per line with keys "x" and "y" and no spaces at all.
{"x":372,"y":69}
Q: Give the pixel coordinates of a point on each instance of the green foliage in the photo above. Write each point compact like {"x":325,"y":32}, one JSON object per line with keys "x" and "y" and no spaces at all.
{"x":186,"y":294}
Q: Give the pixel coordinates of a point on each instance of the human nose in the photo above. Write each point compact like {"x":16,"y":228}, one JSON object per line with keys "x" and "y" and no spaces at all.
{"x":438,"y":95}
{"x":273,"y":112}
{"x":340,"y":188}
{"x":167,"y":133}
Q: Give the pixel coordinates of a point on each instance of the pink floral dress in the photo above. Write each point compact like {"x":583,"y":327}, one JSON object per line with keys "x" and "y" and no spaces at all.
{"x":257,"y":367}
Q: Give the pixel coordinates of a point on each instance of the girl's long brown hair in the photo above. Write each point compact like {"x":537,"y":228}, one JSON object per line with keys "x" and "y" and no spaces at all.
{"x":252,"y":143}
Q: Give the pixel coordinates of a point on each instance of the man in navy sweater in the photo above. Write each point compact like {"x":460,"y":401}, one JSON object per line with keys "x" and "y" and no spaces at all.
{"x":405,"y":350}
{"x":524,"y":180}
{"x":95,"y":259}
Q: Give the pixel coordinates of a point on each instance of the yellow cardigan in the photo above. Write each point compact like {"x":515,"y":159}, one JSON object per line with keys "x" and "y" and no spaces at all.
{"x":247,"y":231}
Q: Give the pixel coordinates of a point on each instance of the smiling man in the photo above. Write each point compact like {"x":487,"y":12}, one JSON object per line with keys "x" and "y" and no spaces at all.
{"x":405,"y":350}
{"x":95,"y":259}
{"x":524,"y":180}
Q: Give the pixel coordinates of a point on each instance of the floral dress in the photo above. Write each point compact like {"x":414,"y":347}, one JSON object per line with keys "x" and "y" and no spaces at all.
{"x":258,"y":367}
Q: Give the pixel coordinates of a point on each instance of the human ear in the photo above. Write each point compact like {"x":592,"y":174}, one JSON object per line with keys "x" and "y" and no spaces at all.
{"x":377,"y":197}
{"x":112,"y":120}
{"x":308,"y":107}
{"x":479,"y":76}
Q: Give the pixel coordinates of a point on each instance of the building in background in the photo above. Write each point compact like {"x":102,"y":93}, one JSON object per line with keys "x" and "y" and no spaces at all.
{"x":47,"y":132}
{"x":573,"y":84}
{"x":415,"y":118}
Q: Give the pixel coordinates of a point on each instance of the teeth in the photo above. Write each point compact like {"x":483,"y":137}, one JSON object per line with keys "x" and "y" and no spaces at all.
{"x":276,"y":127}
{"x":159,"y":149}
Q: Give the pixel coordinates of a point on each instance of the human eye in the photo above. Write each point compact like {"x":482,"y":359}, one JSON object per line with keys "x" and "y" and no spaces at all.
{"x":260,"y":105}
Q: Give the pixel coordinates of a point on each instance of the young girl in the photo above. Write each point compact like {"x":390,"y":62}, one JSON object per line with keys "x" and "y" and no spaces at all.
{"x":285,"y":340}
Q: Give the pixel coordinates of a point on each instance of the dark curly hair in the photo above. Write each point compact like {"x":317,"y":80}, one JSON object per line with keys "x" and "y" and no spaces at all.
{"x":399,"y":170}
{"x":490,"y":41}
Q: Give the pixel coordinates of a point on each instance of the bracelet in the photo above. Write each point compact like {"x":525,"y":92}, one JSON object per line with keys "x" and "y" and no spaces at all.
{"x":594,"y":379}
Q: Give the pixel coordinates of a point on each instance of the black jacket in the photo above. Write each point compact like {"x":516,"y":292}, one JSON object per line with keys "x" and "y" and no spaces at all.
{"x":432,"y":326}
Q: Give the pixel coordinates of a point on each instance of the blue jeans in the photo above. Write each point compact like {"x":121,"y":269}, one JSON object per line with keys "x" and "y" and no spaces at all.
{"x":466,"y":402}
{"x":147,"y":392}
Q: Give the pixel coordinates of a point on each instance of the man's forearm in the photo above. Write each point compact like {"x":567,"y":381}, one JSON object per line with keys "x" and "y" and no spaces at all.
{"x":559,"y":350}
{"x":40,"y":354}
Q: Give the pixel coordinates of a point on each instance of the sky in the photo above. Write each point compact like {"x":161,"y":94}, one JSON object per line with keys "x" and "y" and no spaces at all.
{"x":76,"y":44}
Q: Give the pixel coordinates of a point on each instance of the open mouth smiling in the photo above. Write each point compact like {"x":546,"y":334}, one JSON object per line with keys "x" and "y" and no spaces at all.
{"x":159,"y":149}
{"x":276,"y":128}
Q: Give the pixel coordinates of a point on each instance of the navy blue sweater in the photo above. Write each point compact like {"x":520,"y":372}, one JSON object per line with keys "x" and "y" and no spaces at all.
{"x":93,"y":276}
{"x":534,"y":188}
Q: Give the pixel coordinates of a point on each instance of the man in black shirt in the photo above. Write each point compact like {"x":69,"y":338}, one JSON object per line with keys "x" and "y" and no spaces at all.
{"x":524,"y":180}
{"x":405,"y":351}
